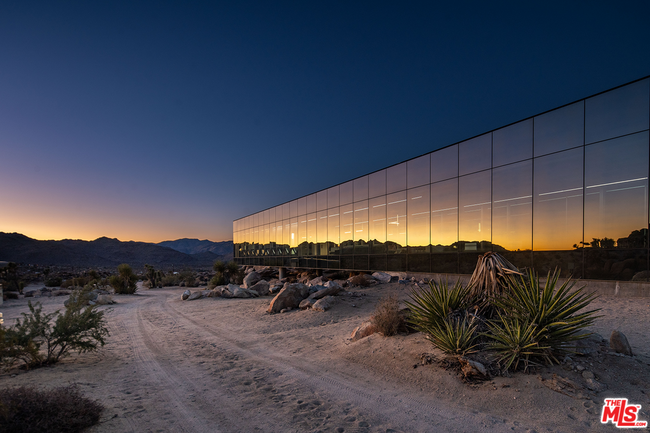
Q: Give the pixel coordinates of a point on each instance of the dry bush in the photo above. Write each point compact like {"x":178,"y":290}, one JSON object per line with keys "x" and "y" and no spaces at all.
{"x":360,"y":280}
{"x":64,"y":409}
{"x":387,"y":318}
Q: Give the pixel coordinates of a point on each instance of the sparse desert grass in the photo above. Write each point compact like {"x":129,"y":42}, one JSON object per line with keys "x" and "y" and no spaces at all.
{"x":387,"y":318}
{"x":29,"y":410}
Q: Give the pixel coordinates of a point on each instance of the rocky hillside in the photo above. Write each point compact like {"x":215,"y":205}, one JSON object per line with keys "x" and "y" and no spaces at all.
{"x":102,"y":252}
{"x":195,"y":246}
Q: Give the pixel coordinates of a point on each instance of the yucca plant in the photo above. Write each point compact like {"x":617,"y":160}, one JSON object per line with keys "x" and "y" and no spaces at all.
{"x":490,"y":278}
{"x":514,"y":341}
{"x":556,"y":316}
{"x":430,"y":307}
{"x":456,"y":336}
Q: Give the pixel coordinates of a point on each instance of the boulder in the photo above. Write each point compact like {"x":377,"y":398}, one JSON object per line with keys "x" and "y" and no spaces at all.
{"x":206,"y":293}
{"x":104,"y":300}
{"x":262,"y":288}
{"x":275,"y":288}
{"x":473,"y":369}
{"x":362,"y":331}
{"x":251,"y":279}
{"x":241,"y":292}
{"x":289,"y":297}
{"x":229,"y":290}
{"x":318,"y":281}
{"x":306,"y":304}
{"x":186,"y":294}
{"x":195,"y":295}
{"x":324,"y":304}
{"x":382,"y":277}
{"x":618,"y":342}
{"x":326,"y":291}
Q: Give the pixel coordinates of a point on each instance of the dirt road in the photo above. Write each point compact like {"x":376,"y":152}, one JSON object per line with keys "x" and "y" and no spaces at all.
{"x":223,"y":365}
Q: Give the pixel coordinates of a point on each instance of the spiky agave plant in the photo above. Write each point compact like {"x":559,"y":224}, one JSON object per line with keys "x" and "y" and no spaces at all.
{"x":490,"y":278}
{"x":456,"y":336}
{"x":554,"y":317}
{"x":441,"y":313}
{"x":431,"y":306}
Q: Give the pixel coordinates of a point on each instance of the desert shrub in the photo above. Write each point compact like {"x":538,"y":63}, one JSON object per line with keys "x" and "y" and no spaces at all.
{"x":77,"y":329}
{"x":387,"y":318}
{"x":170,"y":280}
{"x":227,"y":273}
{"x":188,"y":277}
{"x":63,"y":409}
{"x":76,"y":282}
{"x":218,"y":279}
{"x":154,"y":277}
{"x":550,"y":318}
{"x":125,"y":281}
{"x":360,"y":280}
{"x":10,"y":280}
{"x":53,"y":282}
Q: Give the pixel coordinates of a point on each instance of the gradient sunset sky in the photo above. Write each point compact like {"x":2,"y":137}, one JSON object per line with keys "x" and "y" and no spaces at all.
{"x":152,"y":121}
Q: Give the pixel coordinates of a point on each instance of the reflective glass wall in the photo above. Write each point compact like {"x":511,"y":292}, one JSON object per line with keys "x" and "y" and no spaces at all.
{"x":567,"y":189}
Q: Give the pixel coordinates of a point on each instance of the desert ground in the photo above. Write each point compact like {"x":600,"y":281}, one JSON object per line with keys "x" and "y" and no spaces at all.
{"x":225,"y":365}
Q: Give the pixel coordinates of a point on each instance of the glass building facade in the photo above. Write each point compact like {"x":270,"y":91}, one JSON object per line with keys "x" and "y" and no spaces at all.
{"x":567,"y":188}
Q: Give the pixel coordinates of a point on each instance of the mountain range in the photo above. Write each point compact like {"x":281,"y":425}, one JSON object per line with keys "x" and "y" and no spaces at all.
{"x":105,"y":252}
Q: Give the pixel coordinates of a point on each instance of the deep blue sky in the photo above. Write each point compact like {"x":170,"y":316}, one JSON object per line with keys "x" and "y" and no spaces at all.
{"x":160,"y":120}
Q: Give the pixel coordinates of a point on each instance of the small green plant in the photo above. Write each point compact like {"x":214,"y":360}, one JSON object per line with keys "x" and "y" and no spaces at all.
{"x":456,"y":336}
{"x":64,"y":409}
{"x":387,"y":318}
{"x":557,"y":316}
{"x":514,"y":341}
{"x":77,"y":329}
{"x":125,"y":281}
{"x":430,"y":307}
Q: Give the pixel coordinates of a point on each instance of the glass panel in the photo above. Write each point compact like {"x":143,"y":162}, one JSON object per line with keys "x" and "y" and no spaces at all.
{"x":512,"y":143}
{"x":560,"y":129}
{"x":557,"y":209}
{"x":444,"y":163}
{"x":418,"y":171}
{"x":345,"y":192}
{"x":256,"y":219}
{"x":286,"y":233}
{"x":266,"y":235}
{"x":267,"y":216}
{"x":294,"y":233}
{"x":377,"y":183}
{"x":444,"y":215}
{"x":286,"y":213}
{"x":347,"y":226}
{"x":475,"y":211}
{"x":311,"y":232}
{"x":618,"y":112}
{"x":396,"y":178}
{"x":361,"y":188}
{"x":311,"y":203}
{"x":278,"y":233}
{"x":333,"y":230}
{"x":617,"y":264}
{"x":475,"y":154}
{"x":419,"y":263}
{"x":302,"y":234}
{"x":302,"y":206}
{"x":321,"y":232}
{"x":377,"y":224}
{"x":333,"y":197}
{"x":321,"y":199}
{"x":294,"y":208}
{"x":361,"y":220}
{"x":277,"y":214}
{"x":418,"y":200}
{"x":512,"y":211}
{"x":272,"y":234}
{"x":396,"y":222}
{"x":616,"y":178}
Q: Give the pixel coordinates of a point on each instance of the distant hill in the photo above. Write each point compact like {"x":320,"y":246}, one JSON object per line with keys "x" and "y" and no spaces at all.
{"x":195,"y":246}
{"x":102,"y":252}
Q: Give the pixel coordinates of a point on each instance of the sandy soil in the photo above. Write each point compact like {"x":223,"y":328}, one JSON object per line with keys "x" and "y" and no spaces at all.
{"x":224,"y":365}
